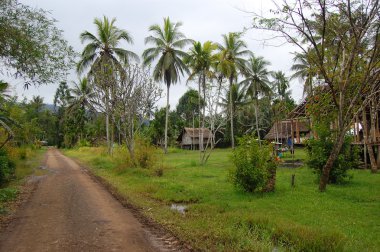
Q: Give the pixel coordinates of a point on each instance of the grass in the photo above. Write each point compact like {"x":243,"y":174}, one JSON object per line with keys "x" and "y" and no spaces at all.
{"x":26,"y":161}
{"x":222,"y":218}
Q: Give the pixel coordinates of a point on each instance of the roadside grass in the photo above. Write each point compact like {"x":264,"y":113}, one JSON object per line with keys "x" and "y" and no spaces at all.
{"x":26,"y":161}
{"x":221,"y":218}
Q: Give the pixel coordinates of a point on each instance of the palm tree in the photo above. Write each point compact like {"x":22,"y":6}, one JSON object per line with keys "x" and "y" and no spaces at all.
{"x":303,"y":71}
{"x":256,"y":83}
{"x":200,"y":60}
{"x":81,"y":102}
{"x":281,"y":84}
{"x":167,"y":42}
{"x":105,"y":58}
{"x":230,"y":61}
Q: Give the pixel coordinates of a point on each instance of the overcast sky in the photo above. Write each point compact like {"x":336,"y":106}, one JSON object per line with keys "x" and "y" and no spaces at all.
{"x":202,"y":20}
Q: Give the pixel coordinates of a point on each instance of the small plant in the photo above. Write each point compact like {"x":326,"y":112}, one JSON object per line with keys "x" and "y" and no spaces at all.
{"x":255,"y":166}
{"x":7,"y":194}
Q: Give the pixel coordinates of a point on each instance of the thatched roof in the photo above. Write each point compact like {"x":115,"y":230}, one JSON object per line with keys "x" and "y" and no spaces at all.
{"x":194,"y":133}
{"x":284,"y":129}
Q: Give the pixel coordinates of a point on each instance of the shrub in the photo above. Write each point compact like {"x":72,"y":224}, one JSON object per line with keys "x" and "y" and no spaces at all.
{"x":145,"y":153}
{"x":255,"y":166}
{"x":7,"y":167}
{"x":319,"y":150}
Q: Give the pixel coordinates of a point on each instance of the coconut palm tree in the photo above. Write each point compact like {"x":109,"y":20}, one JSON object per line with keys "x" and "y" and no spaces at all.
{"x":231,"y":61}
{"x":105,"y":58}
{"x":256,"y":83}
{"x":200,"y":60}
{"x":281,"y":85}
{"x":80,"y":102}
{"x":167,"y":44}
{"x":303,"y":71}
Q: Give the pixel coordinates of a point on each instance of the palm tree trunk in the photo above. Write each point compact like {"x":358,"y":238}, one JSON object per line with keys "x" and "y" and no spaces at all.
{"x":257,"y":120}
{"x":166,"y":120}
{"x":199,"y":119}
{"x":232,"y":115}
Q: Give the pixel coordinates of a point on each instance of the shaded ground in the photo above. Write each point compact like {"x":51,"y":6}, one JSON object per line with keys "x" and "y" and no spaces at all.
{"x":69,"y":211}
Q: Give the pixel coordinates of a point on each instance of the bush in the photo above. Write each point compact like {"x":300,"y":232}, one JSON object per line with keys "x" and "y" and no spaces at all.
{"x":255,"y":166}
{"x":145,"y":153}
{"x":7,"y":167}
{"x":319,"y":151}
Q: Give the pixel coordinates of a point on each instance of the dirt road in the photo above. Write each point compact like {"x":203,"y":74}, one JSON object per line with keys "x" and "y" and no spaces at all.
{"x":69,"y":211}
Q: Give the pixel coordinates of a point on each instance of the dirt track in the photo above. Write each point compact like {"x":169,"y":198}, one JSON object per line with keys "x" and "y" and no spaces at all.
{"x":69,"y":211}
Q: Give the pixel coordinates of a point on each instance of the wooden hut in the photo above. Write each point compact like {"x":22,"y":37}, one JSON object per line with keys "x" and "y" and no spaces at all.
{"x":189,"y":137}
{"x":285,"y":129}
{"x":297,"y":127}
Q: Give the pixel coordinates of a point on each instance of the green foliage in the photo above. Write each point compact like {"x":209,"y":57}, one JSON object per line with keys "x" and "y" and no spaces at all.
{"x":31,"y":46}
{"x":145,"y":154}
{"x":7,"y":167}
{"x":7,"y":194}
{"x":319,"y":151}
{"x":254,"y":165}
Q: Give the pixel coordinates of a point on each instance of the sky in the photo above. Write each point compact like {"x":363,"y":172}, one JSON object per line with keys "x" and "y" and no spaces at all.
{"x":202,"y":20}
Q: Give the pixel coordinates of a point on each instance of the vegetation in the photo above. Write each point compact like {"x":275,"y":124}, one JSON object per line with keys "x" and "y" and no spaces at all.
{"x":255,"y":166}
{"x":298,"y":218}
{"x":31,"y":46}
{"x":168,"y":43}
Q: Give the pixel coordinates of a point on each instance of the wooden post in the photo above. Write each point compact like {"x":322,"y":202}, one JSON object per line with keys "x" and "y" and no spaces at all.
{"x":293,"y":180}
{"x":298,"y":132}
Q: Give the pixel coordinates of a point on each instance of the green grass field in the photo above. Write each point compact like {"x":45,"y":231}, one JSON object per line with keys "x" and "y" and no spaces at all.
{"x":221,"y":218}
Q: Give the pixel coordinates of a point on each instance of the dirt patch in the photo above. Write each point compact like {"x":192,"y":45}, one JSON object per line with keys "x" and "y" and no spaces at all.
{"x":159,"y":232}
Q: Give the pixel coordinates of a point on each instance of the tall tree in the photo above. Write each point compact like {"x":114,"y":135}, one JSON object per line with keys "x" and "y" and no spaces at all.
{"x":345,"y":36}
{"x":200,"y":60}
{"x":231,"y":60}
{"x":167,"y":42}
{"x":80,"y":103}
{"x":304,"y":71}
{"x":281,"y":85}
{"x":257,"y":83}
{"x":105,"y":59}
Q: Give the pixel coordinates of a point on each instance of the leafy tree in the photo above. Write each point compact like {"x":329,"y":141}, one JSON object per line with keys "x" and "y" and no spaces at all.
{"x":344,"y":38}
{"x":31,"y":46}
{"x":188,"y":106}
{"x":168,"y":43}
{"x":256,"y":83}
{"x":231,"y":60}
{"x":105,"y":59}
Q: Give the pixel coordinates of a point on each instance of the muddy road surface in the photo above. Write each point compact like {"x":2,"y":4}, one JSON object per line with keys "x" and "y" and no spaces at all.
{"x":69,"y":211}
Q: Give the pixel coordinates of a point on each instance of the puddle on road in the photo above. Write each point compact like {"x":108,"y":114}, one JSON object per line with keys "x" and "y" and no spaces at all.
{"x":179,"y":208}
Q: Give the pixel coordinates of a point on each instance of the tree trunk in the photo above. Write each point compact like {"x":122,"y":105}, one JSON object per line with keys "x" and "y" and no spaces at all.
{"x":257,"y":120}
{"x":330,"y":161}
{"x":204,"y":107}
{"x":232,"y":115}
{"x":166,"y":120}
{"x":199,"y":119}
